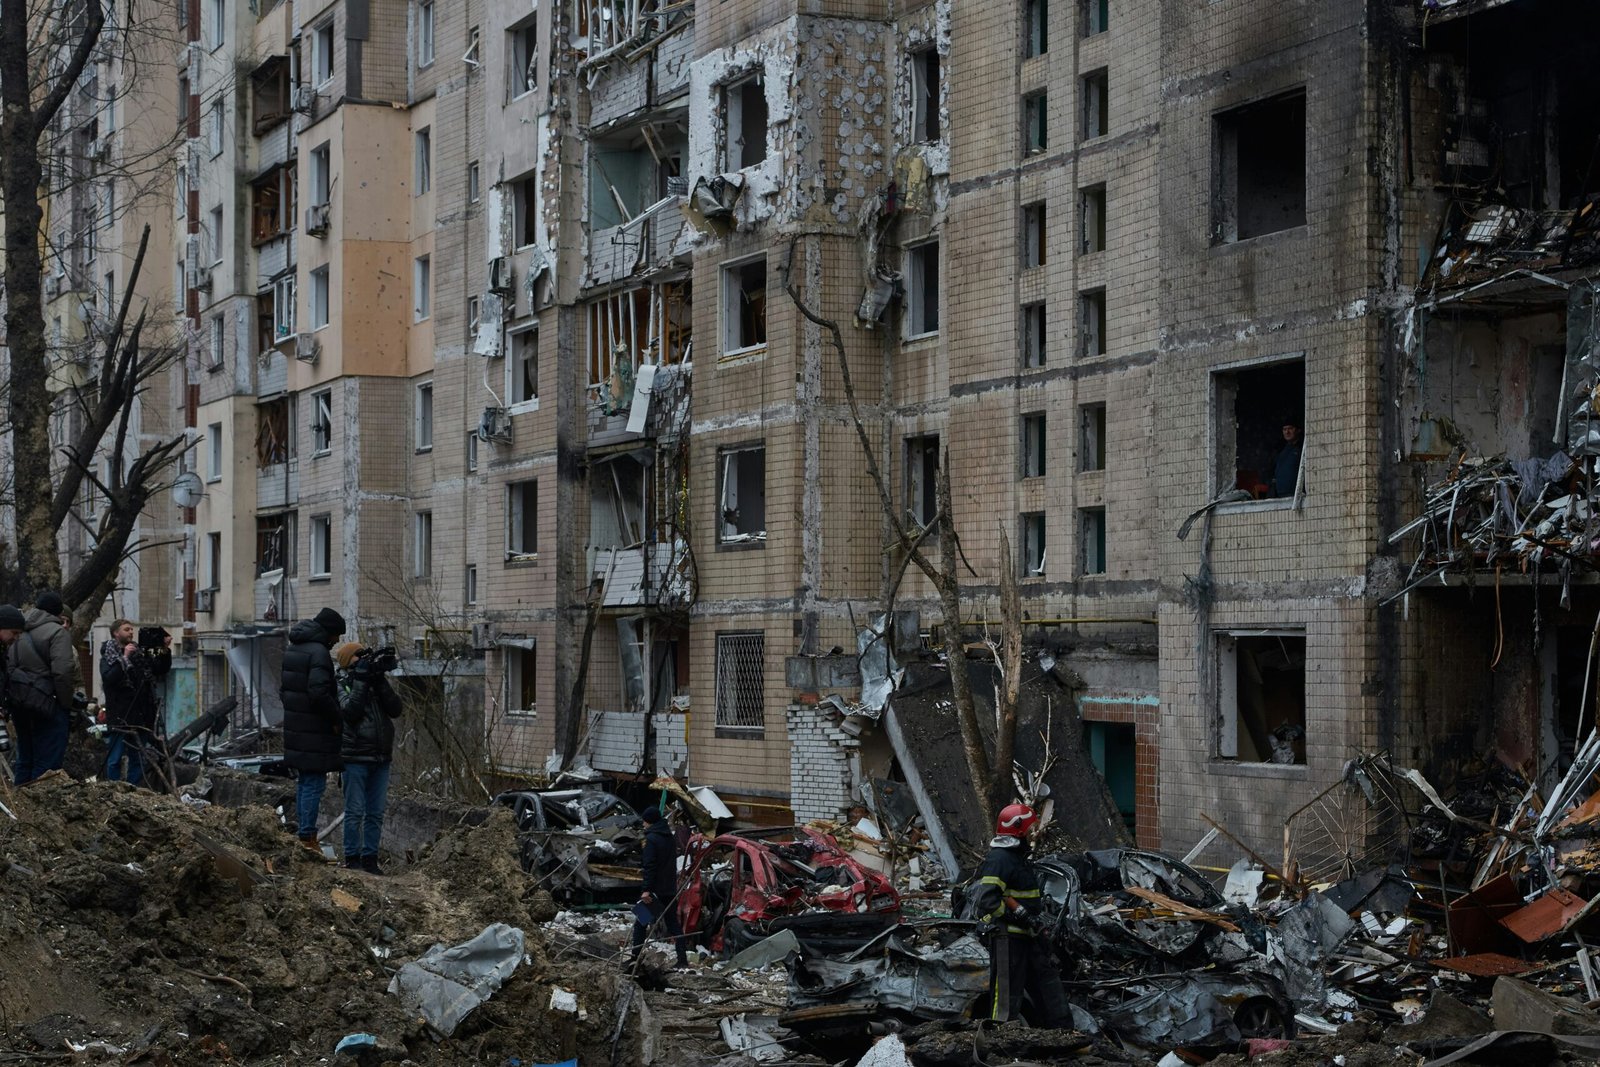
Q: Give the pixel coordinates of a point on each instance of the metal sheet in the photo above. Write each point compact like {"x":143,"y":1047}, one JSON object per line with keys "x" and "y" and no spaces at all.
{"x":1545,"y":917}
{"x":1485,"y":965}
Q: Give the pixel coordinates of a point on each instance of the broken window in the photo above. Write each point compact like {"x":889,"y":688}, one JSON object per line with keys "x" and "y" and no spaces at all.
{"x":1092,"y":209}
{"x":744,"y":114}
{"x":1092,"y":541}
{"x":922,"y":289}
{"x":1035,"y":124}
{"x":922,"y":477}
{"x":1096,"y":16}
{"x":744,"y":305}
{"x":1033,"y":445}
{"x":214,"y":458}
{"x":211,"y":576}
{"x":1033,"y":235}
{"x":1258,"y":416}
{"x":275,"y":543}
{"x":422,"y":545}
{"x":632,"y":171}
{"x":522,"y":679}
{"x":422,"y":287}
{"x":617,"y":502}
{"x":1035,"y":28}
{"x":266,"y":328}
{"x":1092,"y":323}
{"x":524,"y":211}
{"x":1033,"y":545}
{"x":321,"y":422}
{"x":523,"y":367}
{"x":925,"y":94}
{"x":651,"y":324}
{"x":1094,"y":92}
{"x":424,"y":417}
{"x":272,"y":438}
{"x":283,"y":318}
{"x":422,"y":150}
{"x":741,"y":679}
{"x":471,"y":451}
{"x":269,"y":94}
{"x":321,"y":546}
{"x":319,"y":298}
{"x":742,"y":499}
{"x":1033,"y":335}
{"x":1259,"y":169}
{"x":1261,"y":696}
{"x":1092,"y":437}
{"x":522,"y":50}
{"x":321,"y":176}
{"x":522,"y":519}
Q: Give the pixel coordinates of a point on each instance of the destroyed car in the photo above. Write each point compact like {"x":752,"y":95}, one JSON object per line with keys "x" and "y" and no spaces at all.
{"x":744,"y":885}
{"x":1191,"y":1008}
{"x":581,"y":844}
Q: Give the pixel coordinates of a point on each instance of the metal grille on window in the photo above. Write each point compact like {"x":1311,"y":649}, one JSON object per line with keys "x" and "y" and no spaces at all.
{"x":739,"y":681}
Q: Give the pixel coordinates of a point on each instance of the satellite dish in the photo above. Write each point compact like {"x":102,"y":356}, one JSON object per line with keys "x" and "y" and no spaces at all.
{"x":188,"y":490}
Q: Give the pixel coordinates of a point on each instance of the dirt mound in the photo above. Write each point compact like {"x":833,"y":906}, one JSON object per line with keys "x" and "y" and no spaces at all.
{"x":205,"y":933}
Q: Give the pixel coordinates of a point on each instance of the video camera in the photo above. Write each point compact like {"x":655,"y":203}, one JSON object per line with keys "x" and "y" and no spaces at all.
{"x":152,"y":638}
{"x":378,"y":660}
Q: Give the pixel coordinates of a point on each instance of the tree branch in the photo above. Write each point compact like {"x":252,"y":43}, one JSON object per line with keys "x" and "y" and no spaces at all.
{"x":94,"y":22}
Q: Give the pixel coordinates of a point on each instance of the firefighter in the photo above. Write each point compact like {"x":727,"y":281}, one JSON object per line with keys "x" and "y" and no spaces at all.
{"x":1003,"y":895}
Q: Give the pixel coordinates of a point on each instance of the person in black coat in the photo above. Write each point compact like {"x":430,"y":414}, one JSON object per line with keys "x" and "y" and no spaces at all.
{"x":659,"y":885}
{"x":311,"y":722}
{"x":368,"y":706}
{"x":129,"y":678}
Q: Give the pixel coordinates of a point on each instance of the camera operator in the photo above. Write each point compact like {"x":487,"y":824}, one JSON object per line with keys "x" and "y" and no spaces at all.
{"x":45,"y":648}
{"x":130,"y":664}
{"x":368,"y":706}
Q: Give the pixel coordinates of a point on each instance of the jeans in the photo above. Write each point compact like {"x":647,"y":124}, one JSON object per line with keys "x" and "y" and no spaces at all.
{"x":366,"y":793}
{"x":307,"y":802}
{"x":41,"y":744}
{"x":125,"y":743}
{"x":667,"y":916}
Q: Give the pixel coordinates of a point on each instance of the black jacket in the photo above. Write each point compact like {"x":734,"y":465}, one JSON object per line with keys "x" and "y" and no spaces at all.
{"x":45,"y":647}
{"x":311,"y":721}
{"x":130,"y":683}
{"x":660,"y":865}
{"x":369,"y":707}
{"x":1003,"y":882}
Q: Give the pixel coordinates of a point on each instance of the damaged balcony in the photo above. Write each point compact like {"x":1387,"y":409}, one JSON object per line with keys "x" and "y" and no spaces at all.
{"x":635,"y":187}
{"x":639,"y":347}
{"x":638,"y":553}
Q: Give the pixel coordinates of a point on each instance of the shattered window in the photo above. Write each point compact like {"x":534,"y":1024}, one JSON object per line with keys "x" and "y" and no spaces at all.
{"x":1092,"y":223}
{"x":522,"y":679}
{"x":321,"y":174}
{"x":925,"y":95}
{"x":321,"y":422}
{"x":322,"y":54}
{"x":744,"y":305}
{"x":319,"y":298}
{"x":1035,"y":124}
{"x":1033,"y":545}
{"x":922,"y":473}
{"x":269,"y":94}
{"x":1095,"y":95}
{"x":1035,"y":28}
{"x":742,"y":511}
{"x":1033,"y":446}
{"x":524,"y":366}
{"x":321,"y":546}
{"x":1259,"y":428}
{"x":524,"y":211}
{"x":272,"y":439}
{"x":275,"y":543}
{"x":744,"y":113}
{"x":422,"y":545}
{"x":1092,"y":437}
{"x":1259,"y":169}
{"x":523,"y":53}
{"x":423,"y":162}
{"x":741,"y":673}
{"x":1092,"y":323}
{"x":1033,"y":335}
{"x":1261,"y":696}
{"x":1033,"y":235}
{"x":1092,"y":541}
{"x":522,"y":519}
{"x":922,"y":289}
{"x":1096,"y":16}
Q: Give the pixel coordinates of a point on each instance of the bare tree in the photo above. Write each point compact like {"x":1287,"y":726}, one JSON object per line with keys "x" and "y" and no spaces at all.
{"x":44,"y":52}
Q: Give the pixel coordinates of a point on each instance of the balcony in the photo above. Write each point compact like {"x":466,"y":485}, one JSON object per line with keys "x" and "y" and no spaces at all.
{"x":624,"y":571}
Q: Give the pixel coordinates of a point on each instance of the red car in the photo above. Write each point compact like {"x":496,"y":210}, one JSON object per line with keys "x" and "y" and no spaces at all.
{"x":740,"y":886}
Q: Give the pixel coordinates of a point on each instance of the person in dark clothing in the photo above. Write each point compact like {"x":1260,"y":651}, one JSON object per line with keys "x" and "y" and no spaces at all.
{"x":311,"y":721}
{"x":129,"y":676}
{"x":658,"y":901}
{"x":1286,"y":468}
{"x":45,"y":648}
{"x":368,"y":706}
{"x":1003,"y":895}
{"x":12,"y":623}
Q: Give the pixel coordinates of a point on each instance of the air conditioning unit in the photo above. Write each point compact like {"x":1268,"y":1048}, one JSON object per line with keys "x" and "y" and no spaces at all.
{"x":495,"y":425}
{"x":483,"y":635}
{"x":317,"y":219}
{"x":202,"y":278}
{"x":500,"y":275}
{"x":305,"y":98}
{"x":52,"y":286}
{"x":204,"y":600}
{"x":306,"y":347}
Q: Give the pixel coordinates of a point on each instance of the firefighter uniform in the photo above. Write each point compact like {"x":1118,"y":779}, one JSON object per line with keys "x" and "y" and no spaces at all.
{"x":1004,"y":895}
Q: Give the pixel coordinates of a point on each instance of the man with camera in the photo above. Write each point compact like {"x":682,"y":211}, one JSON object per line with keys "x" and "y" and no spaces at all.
{"x":311,"y":722}
{"x":368,"y":706}
{"x":131,"y":663}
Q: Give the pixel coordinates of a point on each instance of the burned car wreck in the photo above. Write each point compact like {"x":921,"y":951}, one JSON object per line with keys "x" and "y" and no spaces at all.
{"x":581,"y":844}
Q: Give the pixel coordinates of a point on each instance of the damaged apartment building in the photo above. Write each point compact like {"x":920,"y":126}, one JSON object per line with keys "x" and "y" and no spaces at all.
{"x":511,"y":339}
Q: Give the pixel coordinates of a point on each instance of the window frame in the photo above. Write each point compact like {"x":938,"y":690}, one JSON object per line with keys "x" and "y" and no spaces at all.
{"x":422,"y":288}
{"x":743,"y":697}
{"x":1225,"y":713}
{"x":726,"y":462}
{"x":425,"y":35}
{"x":1035,"y":235}
{"x":927,"y":125}
{"x":518,"y":529}
{"x":1035,"y":445}
{"x":322,"y":42}
{"x":515,"y":361}
{"x":215,"y":132}
{"x":921,"y":498}
{"x":1035,"y":123}
{"x":1093,"y":323}
{"x":732,"y":291}
{"x":214,"y":455}
{"x":422,"y":545}
{"x":731,"y":111}
{"x":283,"y":308}
{"x":321,"y":539}
{"x":515,"y":656}
{"x":522,"y":72}
{"x":422,"y":161}
{"x":1094,"y":96}
{"x":1093,"y":540}
{"x":422,"y":421}
{"x":1035,"y":335}
{"x":917,"y":311}
{"x":1033,"y":529}
{"x":1092,"y":431}
{"x":1092,"y":221}
{"x":321,"y":422}
{"x":217,"y":342}
{"x":1035,"y":28}
{"x":320,"y":299}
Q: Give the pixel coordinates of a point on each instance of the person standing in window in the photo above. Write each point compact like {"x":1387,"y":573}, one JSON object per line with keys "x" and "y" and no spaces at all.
{"x":1286,"y":468}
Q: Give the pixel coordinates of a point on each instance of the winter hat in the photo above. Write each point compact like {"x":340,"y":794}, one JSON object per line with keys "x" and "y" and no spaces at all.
{"x":652,"y":814}
{"x":49,"y":603}
{"x":330,"y":621}
{"x":345,"y":654}
{"x":11,"y":618}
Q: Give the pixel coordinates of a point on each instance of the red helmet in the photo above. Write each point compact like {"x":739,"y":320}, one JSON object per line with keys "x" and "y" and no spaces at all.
{"x":1015,"y":820}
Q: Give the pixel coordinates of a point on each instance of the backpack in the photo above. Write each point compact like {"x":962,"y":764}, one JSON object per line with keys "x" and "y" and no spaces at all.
{"x":31,"y":693}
